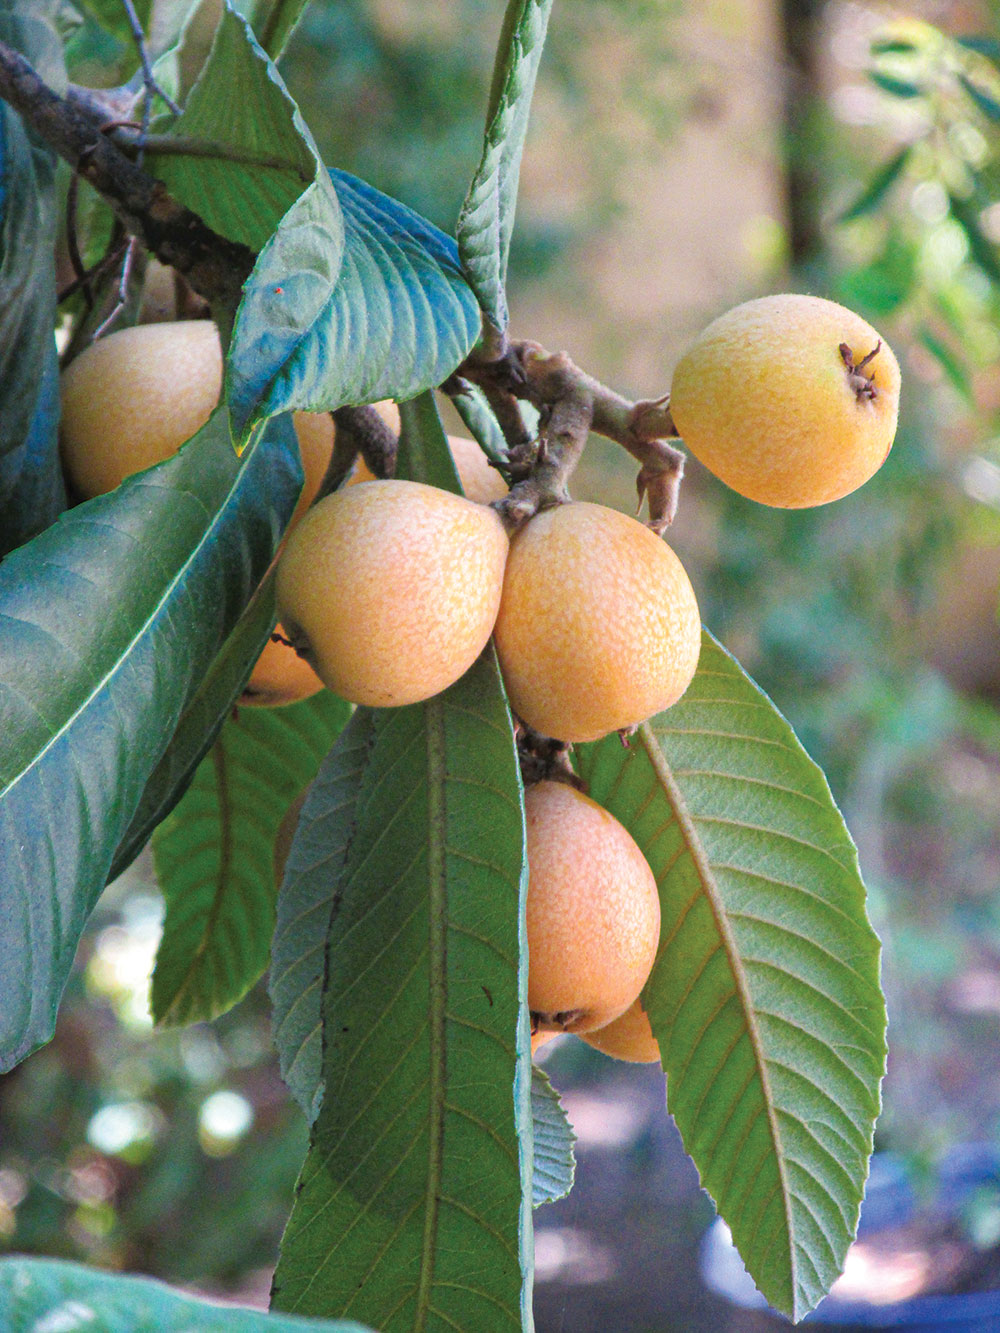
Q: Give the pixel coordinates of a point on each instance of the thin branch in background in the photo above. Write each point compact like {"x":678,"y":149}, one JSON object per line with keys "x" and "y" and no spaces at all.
{"x":151,"y":87}
{"x":123,"y":282}
{"x":82,"y":279}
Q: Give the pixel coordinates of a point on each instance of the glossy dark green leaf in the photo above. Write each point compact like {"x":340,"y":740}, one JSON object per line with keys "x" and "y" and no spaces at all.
{"x":553,"y":1138}
{"x":214,"y":855}
{"x":254,"y":155}
{"x":111,"y":618}
{"x":765,"y":995}
{"x":421,"y":1154}
{"x":32,"y":494}
{"x":306,"y":901}
{"x":351,"y":301}
{"x":486,"y":221}
{"x":201,"y":721}
{"x":878,"y":187}
{"x":61,"y":1297}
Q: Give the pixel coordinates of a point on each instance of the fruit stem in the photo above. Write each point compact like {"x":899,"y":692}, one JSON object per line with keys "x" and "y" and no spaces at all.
{"x":571,"y":403}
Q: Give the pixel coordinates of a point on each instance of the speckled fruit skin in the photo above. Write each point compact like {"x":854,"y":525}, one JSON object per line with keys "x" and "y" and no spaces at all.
{"x":593,"y":912}
{"x":132,"y":399}
{"x":763,"y":398}
{"x":392,"y":589}
{"x":598,"y":626}
{"x":480,"y":482}
{"x":628,"y":1037}
{"x":279,"y":677}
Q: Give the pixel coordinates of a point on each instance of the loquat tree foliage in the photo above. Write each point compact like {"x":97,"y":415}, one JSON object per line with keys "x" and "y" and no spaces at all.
{"x":131,"y":622}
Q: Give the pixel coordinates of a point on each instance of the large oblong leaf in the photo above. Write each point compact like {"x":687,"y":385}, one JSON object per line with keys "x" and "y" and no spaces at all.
{"x":31,"y":485}
{"x":53,"y":1294}
{"x":765,"y":994}
{"x":306,"y":901}
{"x":214,"y":855}
{"x":417,"y":1186}
{"x":109,"y":619}
{"x":383,"y":312}
{"x":255,"y":155}
{"x":486,"y":221}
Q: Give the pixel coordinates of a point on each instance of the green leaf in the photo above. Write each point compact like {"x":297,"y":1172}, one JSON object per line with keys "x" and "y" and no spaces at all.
{"x":55,"y":1295}
{"x":187,"y":47}
{"x":306,"y":900}
{"x":423,"y":453}
{"x":878,"y":187}
{"x":985,"y":101}
{"x":330,"y":317}
{"x":32,"y":494}
{"x":555,"y":1164}
{"x":417,"y":1187}
{"x":249,"y":155}
{"x":275,"y":21}
{"x":983,"y":250}
{"x":765,"y":994}
{"x":111,"y":617}
{"x":956,"y":373}
{"x":985,"y":46}
{"x":200,"y":723}
{"x":482,"y":425}
{"x":892,"y":46}
{"x":486,"y":221}
{"x":896,"y":87}
{"x":214,"y":855}
{"x":110,"y":16}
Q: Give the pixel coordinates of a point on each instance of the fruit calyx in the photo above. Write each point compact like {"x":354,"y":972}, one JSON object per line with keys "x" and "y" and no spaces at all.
{"x":862,"y":384}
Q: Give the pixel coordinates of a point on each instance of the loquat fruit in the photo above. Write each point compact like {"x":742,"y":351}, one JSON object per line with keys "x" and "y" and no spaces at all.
{"x":593,"y":912}
{"x":628,"y":1037}
{"x":598,"y":626}
{"x":790,"y":400}
{"x":390,"y":589}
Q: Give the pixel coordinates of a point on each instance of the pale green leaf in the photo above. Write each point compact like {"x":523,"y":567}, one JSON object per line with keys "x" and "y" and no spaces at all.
{"x":53,"y":1296}
{"x":486,"y":221}
{"x":248,"y":153}
{"x":765,"y":994}
{"x":214,"y":855}
{"x":553,"y":1138}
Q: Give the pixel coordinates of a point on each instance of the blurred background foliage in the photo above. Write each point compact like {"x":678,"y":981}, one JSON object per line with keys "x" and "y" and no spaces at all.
{"x":682,"y":158}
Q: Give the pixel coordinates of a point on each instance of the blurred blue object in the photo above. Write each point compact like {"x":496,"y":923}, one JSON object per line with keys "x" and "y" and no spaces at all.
{"x":890,"y":1201}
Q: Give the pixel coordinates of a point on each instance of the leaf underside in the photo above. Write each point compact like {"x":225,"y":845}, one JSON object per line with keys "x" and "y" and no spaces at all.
{"x":765,"y":994}
{"x":553,"y":1138}
{"x":214,"y":855}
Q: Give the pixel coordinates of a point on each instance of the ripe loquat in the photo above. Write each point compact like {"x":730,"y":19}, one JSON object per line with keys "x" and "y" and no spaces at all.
{"x":390,"y":589}
{"x":280,"y":676}
{"x":628,"y":1037}
{"x":790,"y":400}
{"x":598,"y":626}
{"x":593,"y":912}
{"x":132,"y":399}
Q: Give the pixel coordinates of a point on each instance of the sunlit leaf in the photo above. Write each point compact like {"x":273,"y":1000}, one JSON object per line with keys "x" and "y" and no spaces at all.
{"x":50,"y":1294}
{"x":765,"y":994}
{"x":486,"y":221}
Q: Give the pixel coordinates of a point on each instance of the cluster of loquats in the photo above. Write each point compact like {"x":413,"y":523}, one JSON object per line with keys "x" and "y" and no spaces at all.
{"x":388,"y":590}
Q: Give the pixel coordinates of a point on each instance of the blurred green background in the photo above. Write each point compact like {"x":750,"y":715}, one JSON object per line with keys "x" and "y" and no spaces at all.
{"x":683,"y":157}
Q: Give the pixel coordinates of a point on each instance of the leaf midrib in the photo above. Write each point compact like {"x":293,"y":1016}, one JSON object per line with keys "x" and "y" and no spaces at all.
{"x":689,"y":834}
{"x":438,"y":996}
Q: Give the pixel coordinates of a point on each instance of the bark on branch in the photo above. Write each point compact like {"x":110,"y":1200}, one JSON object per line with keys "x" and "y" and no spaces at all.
{"x":215,"y":266}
